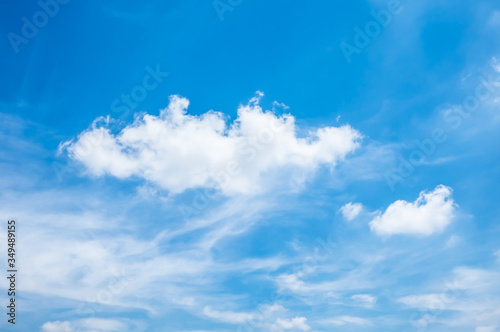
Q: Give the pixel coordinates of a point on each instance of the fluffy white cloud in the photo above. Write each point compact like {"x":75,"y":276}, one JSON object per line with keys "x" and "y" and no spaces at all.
{"x":430,"y":213}
{"x":351,"y":210}
{"x":177,"y":151}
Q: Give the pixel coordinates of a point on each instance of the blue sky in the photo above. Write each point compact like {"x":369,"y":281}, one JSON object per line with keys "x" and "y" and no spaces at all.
{"x":228,"y":166}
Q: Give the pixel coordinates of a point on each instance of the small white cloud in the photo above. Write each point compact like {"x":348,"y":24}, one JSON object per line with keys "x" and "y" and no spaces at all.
{"x":351,"y":210}
{"x":429,"y":214}
{"x":365,"y":300}
{"x":177,"y":151}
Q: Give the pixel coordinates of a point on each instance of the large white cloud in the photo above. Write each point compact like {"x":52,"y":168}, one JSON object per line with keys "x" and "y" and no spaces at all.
{"x":178,"y":151}
{"x":430,"y":213}
{"x":266,"y":318}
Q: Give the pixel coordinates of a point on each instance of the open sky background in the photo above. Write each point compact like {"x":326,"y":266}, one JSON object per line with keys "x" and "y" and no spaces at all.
{"x":201,"y":166}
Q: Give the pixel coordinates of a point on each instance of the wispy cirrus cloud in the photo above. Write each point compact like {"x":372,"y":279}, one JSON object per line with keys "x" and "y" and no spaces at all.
{"x":469,"y":296}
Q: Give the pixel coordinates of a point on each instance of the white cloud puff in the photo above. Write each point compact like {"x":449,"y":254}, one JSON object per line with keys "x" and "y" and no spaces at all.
{"x":430,"y":213}
{"x":178,"y":151}
{"x":351,"y":210}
